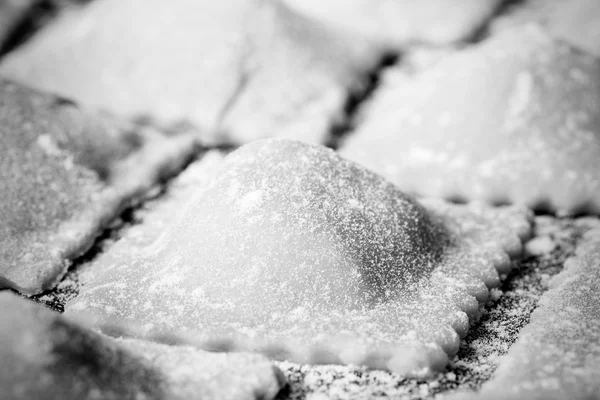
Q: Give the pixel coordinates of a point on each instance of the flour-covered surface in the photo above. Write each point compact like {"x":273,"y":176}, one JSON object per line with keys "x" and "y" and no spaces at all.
{"x":575,"y":21}
{"x":64,"y":174}
{"x":503,"y":317}
{"x":47,"y":356}
{"x":298,"y":63}
{"x":400,"y":23}
{"x":238,"y":70}
{"x":557,"y":355}
{"x":513,"y":119}
{"x":296,"y":253}
{"x":137,"y":227}
{"x":505,"y":314}
{"x":196,"y":374}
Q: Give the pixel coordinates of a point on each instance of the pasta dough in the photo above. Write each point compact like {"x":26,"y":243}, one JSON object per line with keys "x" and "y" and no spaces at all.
{"x":297,"y":253}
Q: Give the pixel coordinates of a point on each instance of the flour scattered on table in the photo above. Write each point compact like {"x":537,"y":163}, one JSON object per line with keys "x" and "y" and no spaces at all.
{"x":557,"y":355}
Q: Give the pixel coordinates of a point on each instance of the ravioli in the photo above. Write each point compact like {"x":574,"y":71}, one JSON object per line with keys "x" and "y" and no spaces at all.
{"x":64,"y":174}
{"x":45,"y":355}
{"x":512,"y":120}
{"x":557,"y":355}
{"x":297,"y":253}
{"x":237,"y":70}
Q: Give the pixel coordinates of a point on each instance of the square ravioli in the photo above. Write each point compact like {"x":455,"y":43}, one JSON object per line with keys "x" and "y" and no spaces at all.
{"x":297,"y":253}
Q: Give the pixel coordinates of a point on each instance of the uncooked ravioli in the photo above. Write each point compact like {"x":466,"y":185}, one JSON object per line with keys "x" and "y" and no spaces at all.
{"x":47,"y":356}
{"x":515,"y":119}
{"x":64,"y":173}
{"x":300,"y":254}
{"x":557,"y":355}
{"x":238,"y":70}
